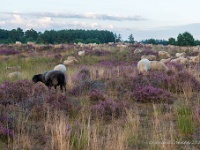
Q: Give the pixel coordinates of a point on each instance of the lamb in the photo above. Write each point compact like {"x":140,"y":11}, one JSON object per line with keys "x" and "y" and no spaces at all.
{"x":52,"y":78}
{"x":180,"y":54}
{"x":137,"y":51}
{"x":143,"y":66}
{"x":60,"y":67}
{"x":163,"y":55}
{"x":165,"y":60}
{"x":158,"y":66}
{"x":70,"y":60}
{"x":81,"y":53}
{"x":15,"y":75}
{"x":181,"y":60}
{"x":195,"y":59}
{"x":149,"y":57}
{"x":14,"y":68}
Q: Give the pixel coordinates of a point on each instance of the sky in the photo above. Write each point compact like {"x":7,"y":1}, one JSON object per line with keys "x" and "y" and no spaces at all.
{"x":144,"y":19}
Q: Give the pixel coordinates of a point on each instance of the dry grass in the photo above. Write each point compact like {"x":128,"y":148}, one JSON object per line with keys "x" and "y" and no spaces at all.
{"x":143,"y":126}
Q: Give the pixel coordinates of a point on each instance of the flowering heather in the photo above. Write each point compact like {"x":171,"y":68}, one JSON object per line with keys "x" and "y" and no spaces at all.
{"x":57,"y":100}
{"x":16,"y":91}
{"x":108,"y":109}
{"x":4,"y":131}
{"x":39,"y":89}
{"x":98,"y":52}
{"x":175,"y":66}
{"x":96,"y":96}
{"x":149,"y":52}
{"x":82,"y":75}
{"x":6,"y":125}
{"x":149,"y":93}
{"x":8,"y":52}
{"x":85,"y":87}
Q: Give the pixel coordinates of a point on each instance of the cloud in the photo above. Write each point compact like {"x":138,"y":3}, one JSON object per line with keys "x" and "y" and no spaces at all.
{"x":81,"y":16}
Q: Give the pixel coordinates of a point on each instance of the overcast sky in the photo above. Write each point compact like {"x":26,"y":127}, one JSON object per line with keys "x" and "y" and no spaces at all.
{"x":159,"y":19}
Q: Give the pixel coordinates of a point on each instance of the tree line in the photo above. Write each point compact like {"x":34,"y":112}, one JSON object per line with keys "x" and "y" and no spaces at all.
{"x":56,"y":37}
{"x":183,"y":39}
{"x":85,"y":36}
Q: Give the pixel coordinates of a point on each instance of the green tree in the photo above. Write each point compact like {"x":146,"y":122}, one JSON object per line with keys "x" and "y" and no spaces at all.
{"x":185,"y":39}
{"x":172,"y":41}
{"x":131,"y":39}
{"x":16,"y":34}
{"x":118,"y":38}
{"x":31,"y":35}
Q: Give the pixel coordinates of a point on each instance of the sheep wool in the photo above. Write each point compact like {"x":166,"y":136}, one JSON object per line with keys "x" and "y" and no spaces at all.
{"x":60,"y":67}
{"x":158,"y":66}
{"x":16,"y":75}
{"x":143,"y":66}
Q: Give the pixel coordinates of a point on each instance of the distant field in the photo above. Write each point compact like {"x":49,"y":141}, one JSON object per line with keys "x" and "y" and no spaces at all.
{"x":108,"y":104}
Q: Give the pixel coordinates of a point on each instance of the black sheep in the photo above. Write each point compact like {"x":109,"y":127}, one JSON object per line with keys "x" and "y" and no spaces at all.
{"x":51,"y":78}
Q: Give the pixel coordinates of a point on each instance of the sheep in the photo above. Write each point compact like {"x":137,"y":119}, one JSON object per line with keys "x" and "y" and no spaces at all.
{"x":81,"y":53}
{"x":15,"y":75}
{"x":165,"y":60}
{"x":14,"y":68}
{"x":181,"y":60}
{"x":143,"y":66}
{"x":70,"y":60}
{"x":180,"y":54}
{"x":195,"y":59}
{"x":51,"y":78}
{"x":60,"y":67}
{"x":149,"y":57}
{"x":137,"y":51}
{"x":163,"y":54}
{"x":18,"y":43}
{"x":158,"y":66}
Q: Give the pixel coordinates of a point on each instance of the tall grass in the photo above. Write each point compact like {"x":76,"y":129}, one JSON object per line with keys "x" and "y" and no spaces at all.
{"x":149,"y":125}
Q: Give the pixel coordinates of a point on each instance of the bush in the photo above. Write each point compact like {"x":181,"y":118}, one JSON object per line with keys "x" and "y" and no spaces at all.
{"x":152,"y":94}
{"x":108,"y":109}
{"x":8,"y":52}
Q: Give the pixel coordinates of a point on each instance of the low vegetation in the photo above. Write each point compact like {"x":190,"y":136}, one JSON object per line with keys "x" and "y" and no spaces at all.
{"x":108,"y":104}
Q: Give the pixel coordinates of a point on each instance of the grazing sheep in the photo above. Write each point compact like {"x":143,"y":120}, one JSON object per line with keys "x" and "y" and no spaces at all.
{"x":181,"y":60}
{"x":137,"y":51}
{"x":143,"y":66}
{"x":14,"y":68}
{"x":60,"y":67}
{"x":149,"y":57}
{"x":15,"y":75}
{"x":70,"y":60}
{"x":180,"y":54}
{"x":195,"y":59}
{"x":158,"y":66}
{"x":52,"y":78}
{"x":18,"y":43}
{"x":163,"y":54}
{"x":81,"y":53}
{"x":165,"y":60}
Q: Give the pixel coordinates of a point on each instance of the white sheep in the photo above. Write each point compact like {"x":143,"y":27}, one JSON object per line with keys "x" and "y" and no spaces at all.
{"x":14,"y":68}
{"x":195,"y":59}
{"x":18,"y":43}
{"x":60,"y":67}
{"x":158,"y":66}
{"x":81,"y":53}
{"x":143,"y":66}
{"x":15,"y":75}
{"x":180,"y":54}
{"x":163,"y":54}
{"x":149,"y":57}
{"x":181,"y":60}
{"x":70,"y":60}
{"x":165,"y":60}
{"x":137,"y":51}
